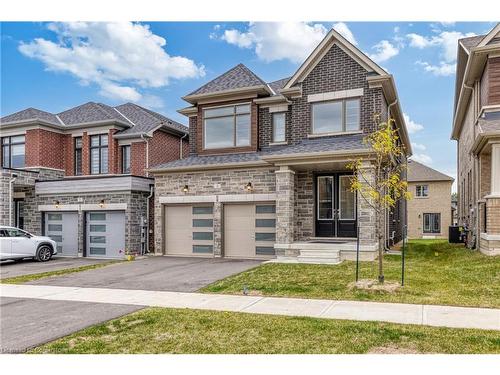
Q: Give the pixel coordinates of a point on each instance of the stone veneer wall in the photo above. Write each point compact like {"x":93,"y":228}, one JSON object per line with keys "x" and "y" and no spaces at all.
{"x":304,"y":207}
{"x":209,"y":183}
{"x":136,"y":208}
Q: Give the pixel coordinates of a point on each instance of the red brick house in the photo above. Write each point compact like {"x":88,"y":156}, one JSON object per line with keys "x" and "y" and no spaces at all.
{"x":80,"y":176}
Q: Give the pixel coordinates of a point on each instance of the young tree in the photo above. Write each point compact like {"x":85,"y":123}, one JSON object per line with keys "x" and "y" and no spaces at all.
{"x":384,"y":184}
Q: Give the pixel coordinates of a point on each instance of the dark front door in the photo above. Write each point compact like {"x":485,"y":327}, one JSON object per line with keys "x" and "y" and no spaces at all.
{"x":335,"y":206}
{"x":19,"y":213}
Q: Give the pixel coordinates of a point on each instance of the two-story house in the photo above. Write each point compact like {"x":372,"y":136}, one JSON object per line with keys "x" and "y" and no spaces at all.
{"x":476,"y":128}
{"x":80,"y":176}
{"x":430,"y":210}
{"x":267,"y":171}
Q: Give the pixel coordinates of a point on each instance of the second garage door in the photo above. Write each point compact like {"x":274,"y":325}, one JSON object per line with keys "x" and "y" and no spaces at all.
{"x":249,"y":230}
{"x":189,"y":230}
{"x":105,"y":234}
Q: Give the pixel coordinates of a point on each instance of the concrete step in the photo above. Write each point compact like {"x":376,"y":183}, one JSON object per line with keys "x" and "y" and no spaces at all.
{"x":319,"y":256}
{"x":320,"y":253}
{"x":318,"y":260}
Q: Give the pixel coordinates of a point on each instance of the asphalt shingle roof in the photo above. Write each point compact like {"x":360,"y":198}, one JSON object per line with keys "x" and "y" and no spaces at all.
{"x":31,"y":114}
{"x":420,"y":172}
{"x":471,"y":41}
{"x":140,"y":119}
{"x":347,"y":142}
{"x":238,"y":77}
{"x":279,"y":84}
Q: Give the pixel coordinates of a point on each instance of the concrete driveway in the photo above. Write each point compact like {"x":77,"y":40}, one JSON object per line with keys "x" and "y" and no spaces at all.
{"x":27,"y":322}
{"x":10,"y":268}
{"x":155,"y":273}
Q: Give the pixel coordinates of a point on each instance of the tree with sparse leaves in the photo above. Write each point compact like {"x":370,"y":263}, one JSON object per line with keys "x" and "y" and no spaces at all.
{"x":384,"y":184}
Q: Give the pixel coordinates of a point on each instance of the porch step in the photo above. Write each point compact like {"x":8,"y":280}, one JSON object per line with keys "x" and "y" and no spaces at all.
{"x":319,"y":256}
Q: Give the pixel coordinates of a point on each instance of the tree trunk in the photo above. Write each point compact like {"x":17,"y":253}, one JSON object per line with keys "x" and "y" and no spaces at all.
{"x":380,"y":246}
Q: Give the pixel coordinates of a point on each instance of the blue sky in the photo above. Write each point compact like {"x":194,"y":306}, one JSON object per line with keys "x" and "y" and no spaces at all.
{"x":54,"y":66}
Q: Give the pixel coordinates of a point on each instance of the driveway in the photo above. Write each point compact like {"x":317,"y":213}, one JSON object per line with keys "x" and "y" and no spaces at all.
{"x":10,"y":268}
{"x":155,"y":273}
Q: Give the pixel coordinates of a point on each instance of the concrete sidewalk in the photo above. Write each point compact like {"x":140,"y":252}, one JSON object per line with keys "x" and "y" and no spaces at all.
{"x":432,"y":315}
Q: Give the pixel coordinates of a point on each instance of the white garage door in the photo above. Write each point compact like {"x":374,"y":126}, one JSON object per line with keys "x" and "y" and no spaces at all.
{"x":249,"y":230}
{"x":189,"y":230}
{"x":62,"y":227}
{"x":105,"y":234}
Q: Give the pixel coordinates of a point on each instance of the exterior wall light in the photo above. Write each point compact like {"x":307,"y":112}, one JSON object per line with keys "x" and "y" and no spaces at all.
{"x":185,"y":189}
{"x":101,"y":203}
{"x":249,"y":187}
{"x":57,"y":204}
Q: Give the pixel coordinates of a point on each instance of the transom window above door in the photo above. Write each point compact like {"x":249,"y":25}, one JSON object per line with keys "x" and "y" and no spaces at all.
{"x":335,"y":116}
{"x":227,"y":126}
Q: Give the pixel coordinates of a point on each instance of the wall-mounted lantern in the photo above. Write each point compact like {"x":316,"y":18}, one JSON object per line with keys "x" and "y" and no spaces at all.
{"x":101,"y":203}
{"x":185,"y":189}
{"x":57,"y":204}
{"x":249,"y":187}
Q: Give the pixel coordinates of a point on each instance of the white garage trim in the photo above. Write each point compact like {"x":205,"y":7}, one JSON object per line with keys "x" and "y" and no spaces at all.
{"x":247,"y":197}
{"x":188,"y":199}
{"x":83,"y":207}
{"x":218,"y":198}
{"x":62,"y":207}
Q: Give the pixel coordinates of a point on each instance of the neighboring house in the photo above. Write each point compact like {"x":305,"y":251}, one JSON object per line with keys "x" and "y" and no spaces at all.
{"x":80,"y":176}
{"x":429,"y":210}
{"x":267,"y":173}
{"x":476,"y":127}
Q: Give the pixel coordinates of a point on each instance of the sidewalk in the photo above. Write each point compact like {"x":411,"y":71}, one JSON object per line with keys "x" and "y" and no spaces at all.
{"x":432,"y":315}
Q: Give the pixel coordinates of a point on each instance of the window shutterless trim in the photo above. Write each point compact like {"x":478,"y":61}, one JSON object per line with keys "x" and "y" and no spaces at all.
{"x":78,"y":150}
{"x":123,"y":148}
{"x":99,"y":147}
{"x":234,"y":115}
{"x":344,"y":115}
{"x":273,"y":126}
{"x":8,"y":145}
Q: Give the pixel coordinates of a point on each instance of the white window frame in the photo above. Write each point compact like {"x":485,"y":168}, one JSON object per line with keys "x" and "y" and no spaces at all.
{"x":274,"y":140}
{"x":423,"y":188}
{"x":343,"y":115}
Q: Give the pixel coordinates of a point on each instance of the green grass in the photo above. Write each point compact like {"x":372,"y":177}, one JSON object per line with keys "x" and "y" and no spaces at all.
{"x":36,"y":276}
{"x":436,"y":273}
{"x":159,"y":330}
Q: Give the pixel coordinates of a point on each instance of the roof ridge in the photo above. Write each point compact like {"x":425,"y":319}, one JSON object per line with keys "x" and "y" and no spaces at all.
{"x":125,"y":117}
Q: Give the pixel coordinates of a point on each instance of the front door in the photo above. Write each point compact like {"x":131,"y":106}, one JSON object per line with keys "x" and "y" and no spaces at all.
{"x":335,"y":206}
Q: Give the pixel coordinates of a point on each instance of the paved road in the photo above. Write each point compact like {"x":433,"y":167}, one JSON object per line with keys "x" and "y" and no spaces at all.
{"x":155,"y":273}
{"x":26,"y":323}
{"x":28,"y":266}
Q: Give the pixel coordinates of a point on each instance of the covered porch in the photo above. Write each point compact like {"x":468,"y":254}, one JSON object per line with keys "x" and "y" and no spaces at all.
{"x":317,"y":214}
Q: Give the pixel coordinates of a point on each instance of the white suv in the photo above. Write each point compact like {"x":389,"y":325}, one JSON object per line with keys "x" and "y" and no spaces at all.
{"x":17,"y":244}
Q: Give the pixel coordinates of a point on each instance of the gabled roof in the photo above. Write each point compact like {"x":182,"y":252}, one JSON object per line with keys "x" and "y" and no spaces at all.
{"x":278,"y":85}
{"x":419,"y":172}
{"x":322,"y":48}
{"x":471,"y":41}
{"x":31,"y":114}
{"x":132,"y":118}
{"x":236,"y":78}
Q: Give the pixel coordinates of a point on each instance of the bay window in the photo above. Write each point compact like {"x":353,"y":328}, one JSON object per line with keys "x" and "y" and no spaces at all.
{"x":13,"y":151}
{"x":99,"y":154}
{"x":227,"y":126}
{"x":335,"y":116}
{"x":279,"y":121}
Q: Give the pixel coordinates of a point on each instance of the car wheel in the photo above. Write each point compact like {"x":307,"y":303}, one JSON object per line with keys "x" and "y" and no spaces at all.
{"x":44,"y":253}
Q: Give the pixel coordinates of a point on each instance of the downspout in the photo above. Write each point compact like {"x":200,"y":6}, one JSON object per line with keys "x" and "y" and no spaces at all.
{"x":11,"y":181}
{"x":143,"y":137}
{"x":181,"y":148}
{"x":151,"y":191}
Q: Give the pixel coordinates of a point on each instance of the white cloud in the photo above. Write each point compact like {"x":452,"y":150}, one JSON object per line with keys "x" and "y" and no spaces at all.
{"x":418,"y":146}
{"x":411,"y":125}
{"x":422,"y":158}
{"x":343,"y":30}
{"x":447,"y":42}
{"x":384,"y":50}
{"x":443,"y":69}
{"x":121,"y":58}
{"x":272,"y":41}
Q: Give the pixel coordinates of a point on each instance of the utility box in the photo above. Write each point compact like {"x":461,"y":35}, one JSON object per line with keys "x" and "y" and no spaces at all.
{"x":454,"y":234}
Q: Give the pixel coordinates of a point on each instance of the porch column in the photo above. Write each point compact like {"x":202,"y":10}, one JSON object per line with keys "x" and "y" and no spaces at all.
{"x":285,"y":205}
{"x":495,"y":169}
{"x":366,"y":213}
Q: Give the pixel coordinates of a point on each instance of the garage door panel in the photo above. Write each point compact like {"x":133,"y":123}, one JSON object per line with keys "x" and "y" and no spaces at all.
{"x":62,"y":227}
{"x":189,"y":230}
{"x":249,"y":230}
{"x":105,"y":234}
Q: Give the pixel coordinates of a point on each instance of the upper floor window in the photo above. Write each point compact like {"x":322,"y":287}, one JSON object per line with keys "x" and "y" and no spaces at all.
{"x":126,"y":159}
{"x":336,"y":116}
{"x":13,"y":151}
{"x":99,"y":154}
{"x":227,"y":126}
{"x":279,"y":120}
{"x":78,"y":155}
{"x":422,"y":191}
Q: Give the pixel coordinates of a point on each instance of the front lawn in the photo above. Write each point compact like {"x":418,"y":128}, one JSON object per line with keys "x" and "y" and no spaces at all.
{"x":436,"y":273}
{"x":160,"y":330}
